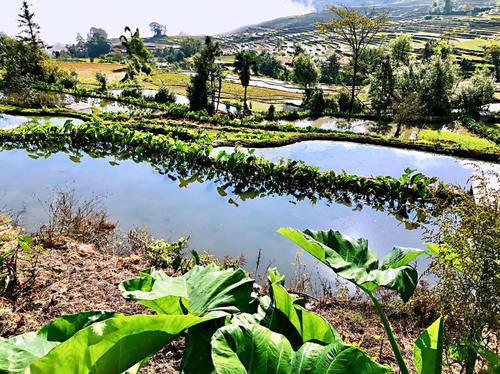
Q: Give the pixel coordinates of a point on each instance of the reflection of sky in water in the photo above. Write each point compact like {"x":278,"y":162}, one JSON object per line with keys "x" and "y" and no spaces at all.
{"x":10,"y":121}
{"x":370,"y":160}
{"x":330,"y":123}
{"x":136,"y":195}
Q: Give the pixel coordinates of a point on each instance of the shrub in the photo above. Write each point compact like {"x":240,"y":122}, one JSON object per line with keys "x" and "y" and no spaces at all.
{"x":82,"y":220}
{"x":465,"y":240}
{"x":103,"y":81}
{"x":165,"y":96}
{"x":316,"y":103}
{"x":344,"y":102}
{"x":18,"y":259}
{"x":135,"y":92}
{"x":270,"y":113}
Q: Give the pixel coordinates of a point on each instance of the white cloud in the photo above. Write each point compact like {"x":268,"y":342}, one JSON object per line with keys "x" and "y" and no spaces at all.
{"x":60,"y":21}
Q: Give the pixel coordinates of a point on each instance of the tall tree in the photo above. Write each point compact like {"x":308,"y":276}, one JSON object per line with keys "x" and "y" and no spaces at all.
{"x":330,"y":70}
{"x":382,"y":85}
{"x":97,"y":45}
{"x":401,"y":49}
{"x":358,"y":30}
{"x":30,"y":30}
{"x":269,"y":65}
{"x":157,"y":29}
{"x":297,"y":51}
{"x":203,"y":84}
{"x":493,"y":56}
{"x":190,"y":46}
{"x":95,"y":30}
{"x":305,"y":73}
{"x":244,"y":64}
{"x":137,"y":54}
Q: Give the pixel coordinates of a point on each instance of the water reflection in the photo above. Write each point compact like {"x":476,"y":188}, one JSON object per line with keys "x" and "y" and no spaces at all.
{"x":222,"y":215}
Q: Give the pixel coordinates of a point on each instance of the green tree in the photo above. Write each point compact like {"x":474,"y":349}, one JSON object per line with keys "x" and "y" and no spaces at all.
{"x":158,"y":29}
{"x":269,"y":65}
{"x":79,"y":49}
{"x":297,"y":51}
{"x":401,"y":49}
{"x":30,"y":30}
{"x":472,"y":96}
{"x":433,"y":81}
{"x":22,"y":60}
{"x":330,"y":70}
{"x":134,"y":45}
{"x":493,"y":55}
{"x":382,"y":85}
{"x":357,"y":30}
{"x":190,"y":46}
{"x":305,"y":73}
{"x":244,"y":64}
{"x":97,"y":30}
{"x":203,"y":83}
{"x":102,"y":79}
{"x":429,"y":49}
{"x":97,"y":45}
{"x":137,"y":54}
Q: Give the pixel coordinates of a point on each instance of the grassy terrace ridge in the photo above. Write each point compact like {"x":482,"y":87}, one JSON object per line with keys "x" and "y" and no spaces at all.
{"x":220,"y":130}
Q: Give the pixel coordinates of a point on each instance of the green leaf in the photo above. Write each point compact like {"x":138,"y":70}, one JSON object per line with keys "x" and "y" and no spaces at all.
{"x":18,"y":352}
{"x":428,"y":349}
{"x":351,"y":259}
{"x":114,"y":345}
{"x":287,"y":310}
{"x":201,"y":290}
{"x":254,"y":349}
{"x":197,"y":354}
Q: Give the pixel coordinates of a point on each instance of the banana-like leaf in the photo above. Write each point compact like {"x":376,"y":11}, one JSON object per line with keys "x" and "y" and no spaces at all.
{"x":114,"y":345}
{"x":351,"y":259}
{"x":428,"y":349}
{"x":287,"y":315}
{"x":201,"y":290}
{"x":254,"y":349}
{"x":18,"y":352}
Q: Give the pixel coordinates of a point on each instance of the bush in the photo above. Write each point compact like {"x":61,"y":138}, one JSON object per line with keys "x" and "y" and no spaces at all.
{"x":103,"y":81}
{"x":316,"y":103}
{"x":17,"y":260}
{"x":159,"y":252}
{"x":165,"y":96}
{"x":135,"y":92}
{"x":270,"y":113}
{"x":344,"y":102}
{"x":68,"y":80}
{"x":466,"y":239}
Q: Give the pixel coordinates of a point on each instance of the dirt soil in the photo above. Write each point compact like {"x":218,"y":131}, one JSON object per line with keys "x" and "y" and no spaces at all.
{"x":75,"y":278}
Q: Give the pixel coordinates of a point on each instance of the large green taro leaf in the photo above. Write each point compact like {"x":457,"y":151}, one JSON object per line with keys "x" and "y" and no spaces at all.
{"x":201,"y":290}
{"x":114,"y":345}
{"x":18,"y":352}
{"x":428,"y":349}
{"x":286,"y":314}
{"x":351,"y":259}
{"x":254,"y":349}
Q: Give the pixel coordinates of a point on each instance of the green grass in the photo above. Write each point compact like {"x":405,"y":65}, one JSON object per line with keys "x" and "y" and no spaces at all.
{"x":471,"y":45}
{"x":463,"y":140}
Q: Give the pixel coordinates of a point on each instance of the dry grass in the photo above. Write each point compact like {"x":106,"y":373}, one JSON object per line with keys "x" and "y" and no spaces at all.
{"x":87,"y":70}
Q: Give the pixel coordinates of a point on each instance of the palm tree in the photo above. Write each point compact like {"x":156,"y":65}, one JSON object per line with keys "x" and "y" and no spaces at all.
{"x":244,"y":64}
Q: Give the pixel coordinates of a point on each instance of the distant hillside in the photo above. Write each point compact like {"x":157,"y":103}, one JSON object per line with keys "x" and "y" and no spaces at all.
{"x":399,"y":9}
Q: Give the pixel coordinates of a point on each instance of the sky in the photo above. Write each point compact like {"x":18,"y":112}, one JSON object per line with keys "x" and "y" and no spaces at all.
{"x":61,"y":20}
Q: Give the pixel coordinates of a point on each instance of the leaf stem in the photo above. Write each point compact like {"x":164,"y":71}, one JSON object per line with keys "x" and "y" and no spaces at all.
{"x":390,"y":335}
